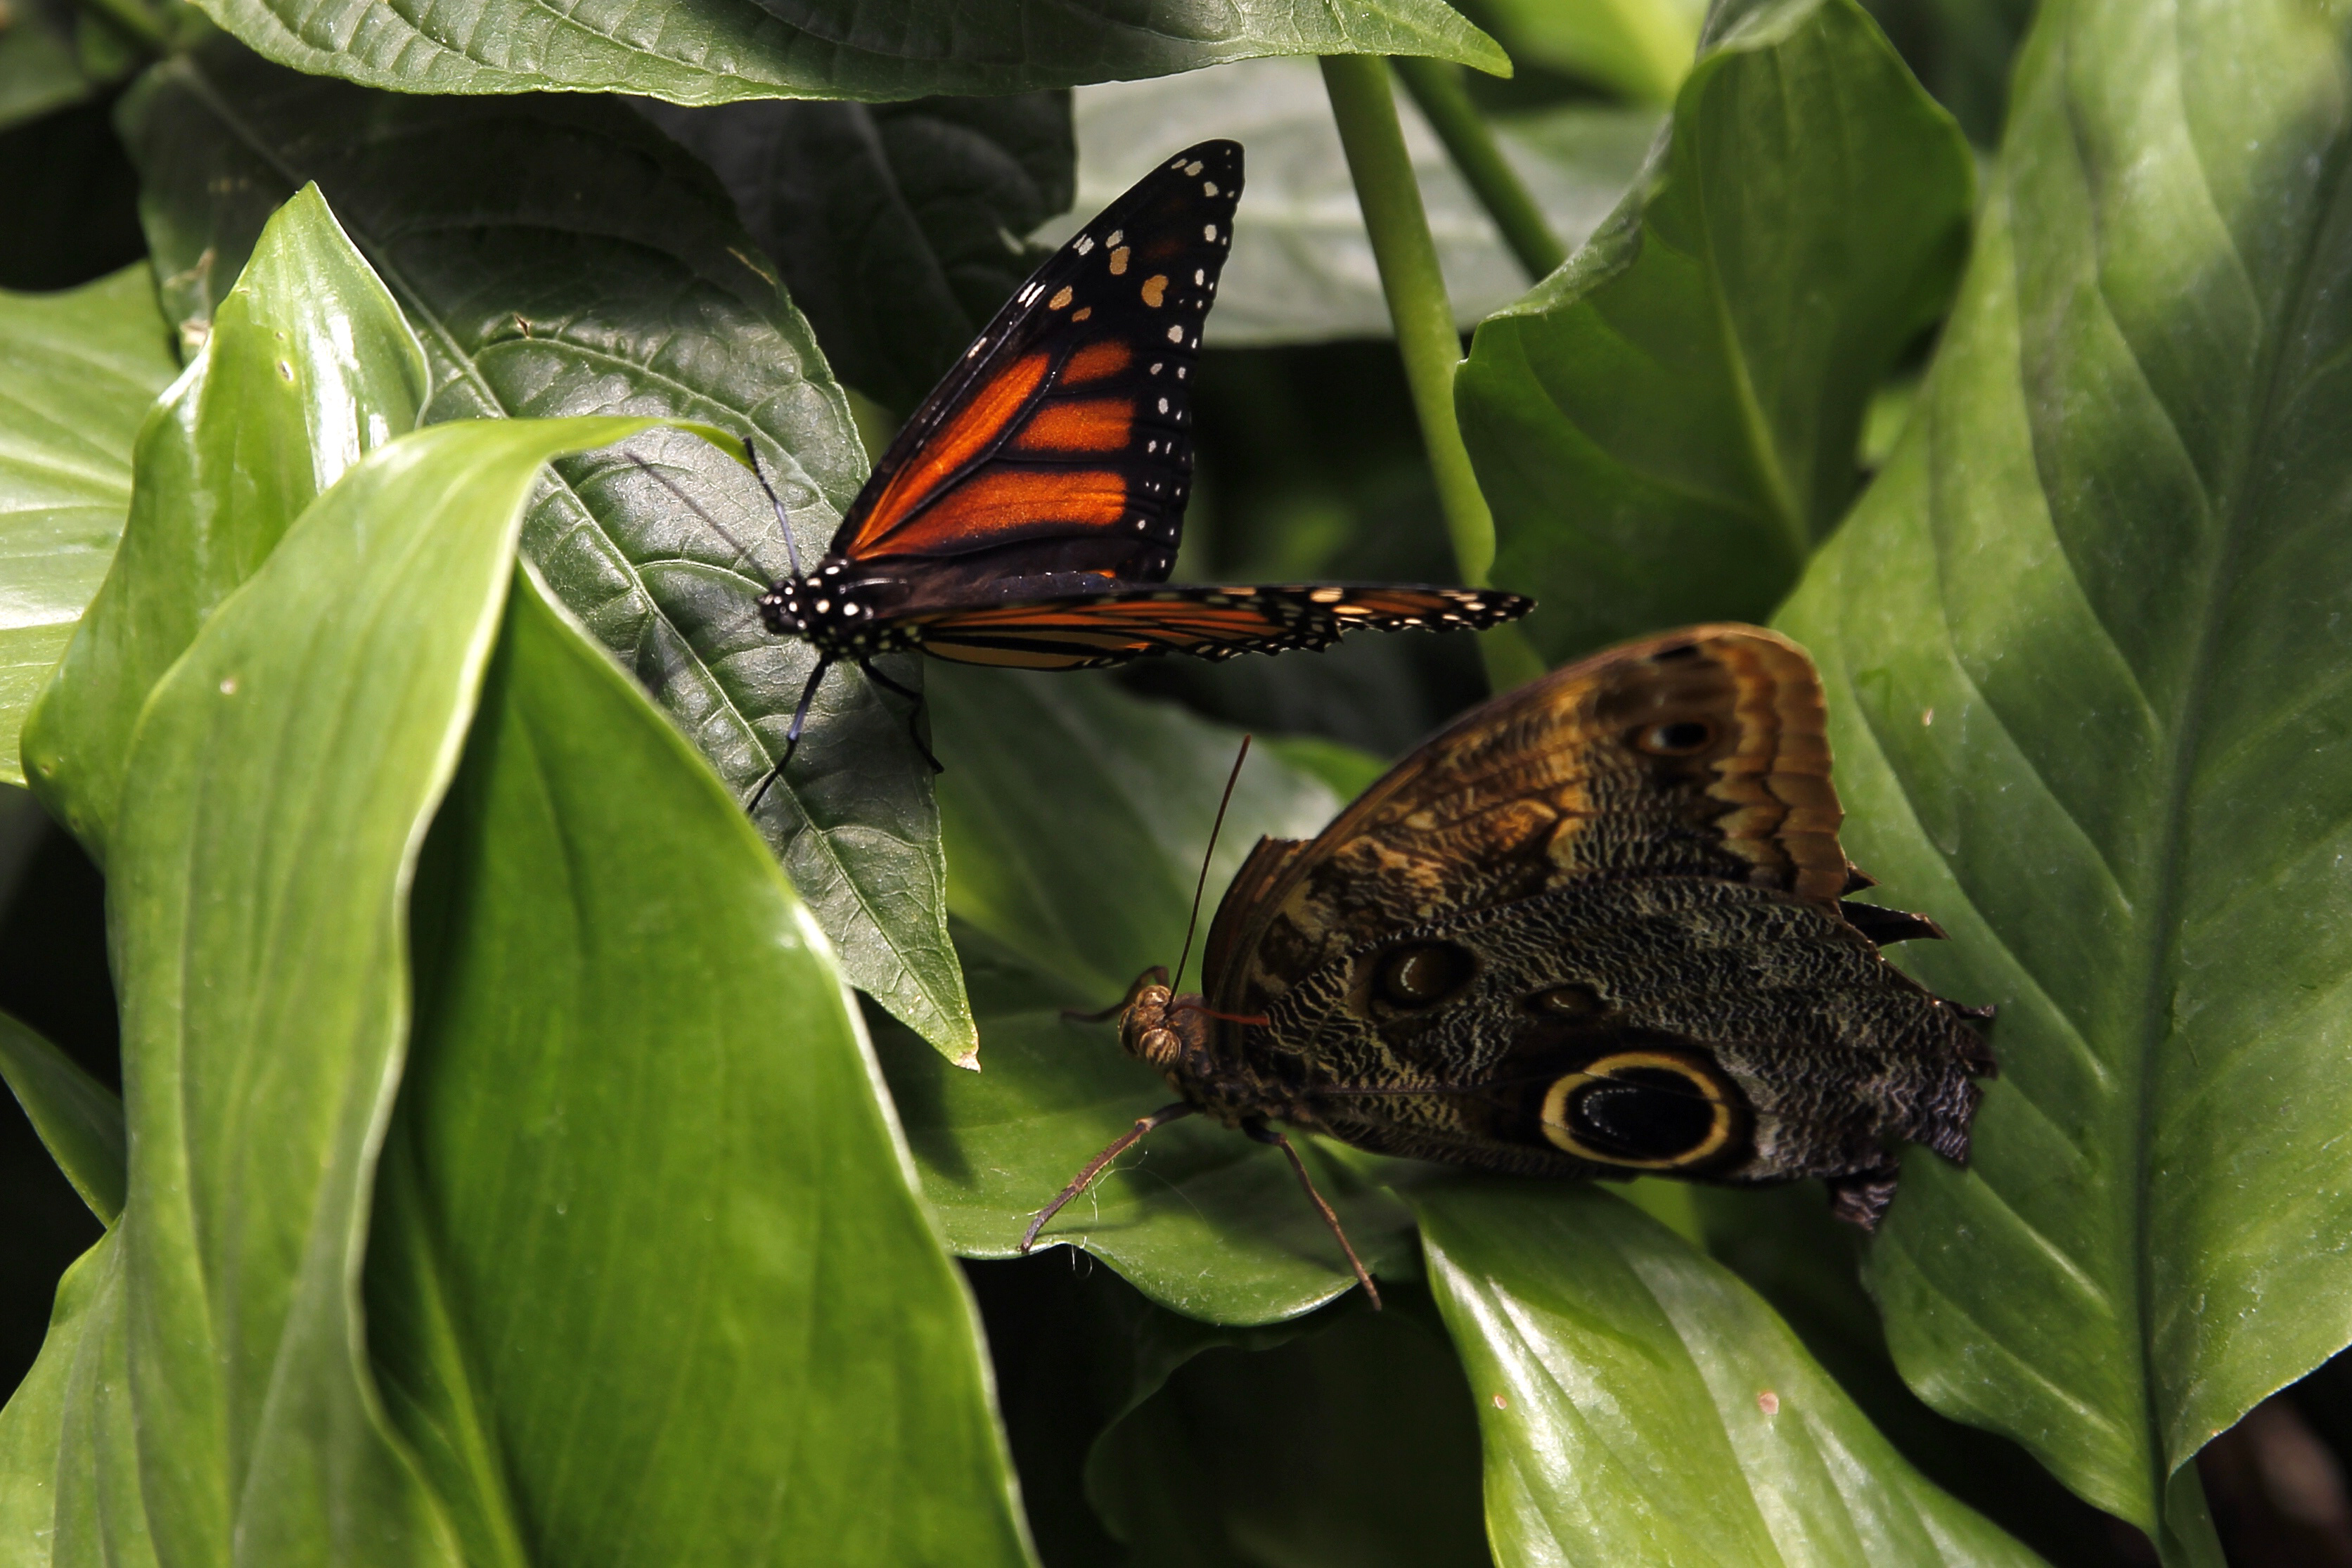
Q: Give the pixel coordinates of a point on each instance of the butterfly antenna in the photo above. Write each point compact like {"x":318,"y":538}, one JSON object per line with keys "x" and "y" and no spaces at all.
{"x":1201,"y":886}
{"x":695,"y":506}
{"x":783,"y":517}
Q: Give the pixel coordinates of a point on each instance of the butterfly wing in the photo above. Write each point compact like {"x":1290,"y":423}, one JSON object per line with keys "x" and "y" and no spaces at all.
{"x":1595,"y":927}
{"x":1104,"y":629}
{"x":1058,"y":451}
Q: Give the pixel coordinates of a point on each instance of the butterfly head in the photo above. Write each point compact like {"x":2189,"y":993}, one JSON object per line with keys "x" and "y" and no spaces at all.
{"x":838,"y":611}
{"x":1156,"y":1030}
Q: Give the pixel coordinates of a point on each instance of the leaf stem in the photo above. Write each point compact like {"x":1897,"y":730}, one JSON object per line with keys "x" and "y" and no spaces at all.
{"x":1438,"y":88}
{"x":1423,"y":318}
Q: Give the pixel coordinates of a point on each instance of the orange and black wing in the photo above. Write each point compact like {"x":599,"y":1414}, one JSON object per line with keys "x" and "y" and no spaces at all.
{"x":1113,"y":627}
{"x":1058,"y":452}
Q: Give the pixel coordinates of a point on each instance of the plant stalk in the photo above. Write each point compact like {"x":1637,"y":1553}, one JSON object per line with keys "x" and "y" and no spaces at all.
{"x":1438,"y":88}
{"x":1366,"y":112}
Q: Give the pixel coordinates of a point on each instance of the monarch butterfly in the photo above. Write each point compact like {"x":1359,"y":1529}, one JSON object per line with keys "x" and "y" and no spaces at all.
{"x":1028,"y":509}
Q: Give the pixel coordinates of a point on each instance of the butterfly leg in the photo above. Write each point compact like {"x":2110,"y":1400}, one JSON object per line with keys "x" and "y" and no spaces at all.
{"x":792,"y":737}
{"x":1119,"y":1145}
{"x":914,"y":734}
{"x":1274,"y":1135}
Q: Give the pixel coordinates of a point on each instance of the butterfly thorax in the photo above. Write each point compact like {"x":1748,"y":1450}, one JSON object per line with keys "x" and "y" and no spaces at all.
{"x":843,"y":615}
{"x":1178,"y":1035}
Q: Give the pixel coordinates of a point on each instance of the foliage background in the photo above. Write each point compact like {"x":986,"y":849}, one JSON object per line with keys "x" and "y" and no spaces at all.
{"x":2017,"y":404}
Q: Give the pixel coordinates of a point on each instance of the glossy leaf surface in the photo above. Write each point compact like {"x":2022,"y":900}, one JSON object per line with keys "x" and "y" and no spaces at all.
{"x":1076,"y":817}
{"x":1639,"y":1405}
{"x":308,"y":366}
{"x":636,"y":1065}
{"x":560,"y":256}
{"x":714,"y":51}
{"x":1668,"y":425}
{"x":897,"y":227}
{"x":78,"y":371}
{"x":283,"y":775}
{"x":1301,"y":269}
{"x":2088,"y":683}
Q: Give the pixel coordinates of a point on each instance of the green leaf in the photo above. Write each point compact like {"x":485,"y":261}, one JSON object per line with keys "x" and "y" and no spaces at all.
{"x":1301,"y":269}
{"x":78,"y":371}
{"x":538,"y":292}
{"x":80,"y":1119}
{"x":1631,"y":1391}
{"x":897,"y":228}
{"x":1353,"y":1444}
{"x":1076,"y":817}
{"x":49,"y":1468}
{"x":285,"y":769}
{"x":716,"y":51}
{"x":308,"y":366}
{"x":2086,"y":684}
{"x":1638,"y":47}
{"x":1668,"y":425}
{"x":650,"y":1273}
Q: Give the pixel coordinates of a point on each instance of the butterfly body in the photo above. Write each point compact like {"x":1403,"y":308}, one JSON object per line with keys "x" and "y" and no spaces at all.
{"x":1596,"y":928}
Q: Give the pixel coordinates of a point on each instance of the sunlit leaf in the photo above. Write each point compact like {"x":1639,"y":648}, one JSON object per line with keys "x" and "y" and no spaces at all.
{"x":2088,"y":688}
{"x":715,"y":51}
{"x":1669,"y":425}
{"x":78,"y":371}
{"x":308,"y":367}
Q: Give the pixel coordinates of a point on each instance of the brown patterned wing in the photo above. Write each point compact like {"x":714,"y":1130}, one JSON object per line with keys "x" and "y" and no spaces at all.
{"x":1699,"y":753}
{"x":1595,"y":929}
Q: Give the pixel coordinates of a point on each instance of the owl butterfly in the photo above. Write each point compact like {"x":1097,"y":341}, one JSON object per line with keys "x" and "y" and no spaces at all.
{"x":1596,"y":928}
{"x":1028,"y":508}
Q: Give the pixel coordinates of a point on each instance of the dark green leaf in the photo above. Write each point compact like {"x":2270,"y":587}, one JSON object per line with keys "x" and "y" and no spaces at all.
{"x":560,"y":256}
{"x":2088,"y":686}
{"x":1353,"y":1445}
{"x":1076,"y":818}
{"x":308,"y":366}
{"x":77,"y":375}
{"x":650,"y":1273}
{"x":1302,"y":267}
{"x":1669,"y":425}
{"x":286,"y":768}
{"x":49,"y":1465}
{"x":899,"y":228}
{"x":80,"y":1119}
{"x":716,"y":51}
{"x":1630,"y":1390}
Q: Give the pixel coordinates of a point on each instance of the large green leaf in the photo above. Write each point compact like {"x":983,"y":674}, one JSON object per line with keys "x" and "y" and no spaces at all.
{"x":80,"y":1119}
{"x":40,"y":71}
{"x":651,"y":1282}
{"x":1301,"y":269}
{"x":560,"y":256}
{"x":715,"y":51}
{"x":78,"y":371}
{"x":1639,"y":1405}
{"x":897,"y":227}
{"x":1076,"y":818}
{"x":283,"y":774}
{"x":1669,"y":425}
{"x":307,"y":367}
{"x":2088,"y":687}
